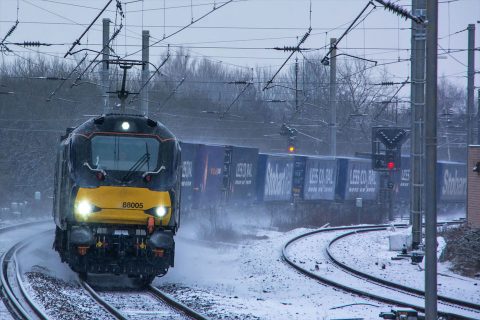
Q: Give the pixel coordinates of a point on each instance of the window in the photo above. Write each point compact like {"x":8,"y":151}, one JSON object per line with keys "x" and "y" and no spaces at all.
{"x":124,"y":153}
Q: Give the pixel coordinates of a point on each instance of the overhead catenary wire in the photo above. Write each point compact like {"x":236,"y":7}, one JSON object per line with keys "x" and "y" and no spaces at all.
{"x":157,"y":70}
{"x":227,"y":109}
{"x":66,"y":78}
{"x":452,"y":34}
{"x":295,"y":49}
{"x":174,"y":91}
{"x":285,"y":48}
{"x":184,"y":27}
{"x":209,"y":56}
{"x":334,"y":46}
{"x":153,"y":26}
{"x":245,"y":57}
{"x":114,"y":35}
{"x":391,"y":98}
{"x":77,"y":42}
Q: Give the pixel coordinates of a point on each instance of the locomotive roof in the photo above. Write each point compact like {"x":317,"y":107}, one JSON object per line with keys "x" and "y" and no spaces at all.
{"x":115,"y":123}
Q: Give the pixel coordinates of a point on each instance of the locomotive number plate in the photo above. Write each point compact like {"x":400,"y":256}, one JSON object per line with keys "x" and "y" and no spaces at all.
{"x":132,"y":205}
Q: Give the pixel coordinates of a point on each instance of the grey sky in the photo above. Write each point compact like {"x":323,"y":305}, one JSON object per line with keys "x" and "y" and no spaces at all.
{"x":231,"y":30}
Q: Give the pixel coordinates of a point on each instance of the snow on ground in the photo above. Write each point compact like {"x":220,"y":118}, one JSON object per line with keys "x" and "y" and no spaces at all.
{"x":62,"y":300}
{"x":11,"y":237}
{"x":376,"y":243}
{"x":310,"y":253}
{"x":138,"y":305}
{"x":53,"y":285}
{"x":21,"y":219}
{"x":249,"y":280}
{"x":242,"y":280}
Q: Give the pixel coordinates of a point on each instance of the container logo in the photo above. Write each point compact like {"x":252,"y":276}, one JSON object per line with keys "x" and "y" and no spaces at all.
{"x":320,"y":180}
{"x":243,"y":173}
{"x":453,"y":185}
{"x":215,"y":171}
{"x":278,"y":182}
{"x":187,"y":173}
{"x":362,"y":181}
{"x":405,"y":178}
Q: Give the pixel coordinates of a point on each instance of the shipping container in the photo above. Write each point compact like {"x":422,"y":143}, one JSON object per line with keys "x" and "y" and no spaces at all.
{"x":189,"y":151}
{"x":320,"y":179}
{"x":275,"y":176}
{"x":208,"y":179}
{"x":240,"y":172}
{"x":401,"y":189}
{"x":451,"y":181}
{"x":356,"y":179}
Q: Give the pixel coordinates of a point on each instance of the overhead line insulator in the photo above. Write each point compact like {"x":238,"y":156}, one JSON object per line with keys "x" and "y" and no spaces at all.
{"x":10,"y":31}
{"x":398,"y":10}
{"x":33,"y":44}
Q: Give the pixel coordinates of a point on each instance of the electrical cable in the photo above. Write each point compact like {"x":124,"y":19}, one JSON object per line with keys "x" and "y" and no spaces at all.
{"x":157,"y":70}
{"x":77,"y":42}
{"x":183,"y":28}
{"x":152,"y":26}
{"x":297,"y":48}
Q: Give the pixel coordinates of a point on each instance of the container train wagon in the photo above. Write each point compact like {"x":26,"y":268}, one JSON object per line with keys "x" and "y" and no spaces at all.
{"x":216,"y":174}
{"x":451,"y":184}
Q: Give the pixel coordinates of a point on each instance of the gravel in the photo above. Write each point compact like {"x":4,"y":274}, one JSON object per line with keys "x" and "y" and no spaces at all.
{"x":63,"y":300}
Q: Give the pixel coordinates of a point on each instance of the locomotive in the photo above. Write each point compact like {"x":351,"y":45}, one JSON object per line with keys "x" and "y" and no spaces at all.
{"x":117,"y":197}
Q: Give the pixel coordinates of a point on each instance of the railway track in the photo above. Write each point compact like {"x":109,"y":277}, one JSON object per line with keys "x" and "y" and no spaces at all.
{"x":150,"y":303}
{"x":16,"y":296}
{"x":362,"y":274}
{"x":355,"y":281}
{"x":22,"y":306}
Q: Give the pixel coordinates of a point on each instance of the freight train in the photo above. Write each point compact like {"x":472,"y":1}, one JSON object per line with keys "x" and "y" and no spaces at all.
{"x":215,"y":174}
{"x":120,"y":183}
{"x":117,"y":197}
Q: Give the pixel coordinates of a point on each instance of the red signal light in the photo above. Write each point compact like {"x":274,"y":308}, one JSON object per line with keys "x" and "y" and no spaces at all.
{"x":390,"y":165}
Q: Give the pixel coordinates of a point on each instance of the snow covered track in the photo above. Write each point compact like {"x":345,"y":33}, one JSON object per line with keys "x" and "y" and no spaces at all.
{"x":150,"y":303}
{"x":113,"y":311}
{"x":445,"y":299}
{"x":178,"y":305}
{"x":17,"y":299}
{"x":328,"y":272}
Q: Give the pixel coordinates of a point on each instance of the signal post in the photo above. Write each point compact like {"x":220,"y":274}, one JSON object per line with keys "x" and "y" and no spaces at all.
{"x":386,"y":158}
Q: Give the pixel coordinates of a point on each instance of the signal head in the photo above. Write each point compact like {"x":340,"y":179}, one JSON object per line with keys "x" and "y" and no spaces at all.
{"x":390,"y":165}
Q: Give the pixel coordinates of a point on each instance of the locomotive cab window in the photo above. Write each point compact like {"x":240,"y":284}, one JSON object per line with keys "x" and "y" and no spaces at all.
{"x":122,"y":153}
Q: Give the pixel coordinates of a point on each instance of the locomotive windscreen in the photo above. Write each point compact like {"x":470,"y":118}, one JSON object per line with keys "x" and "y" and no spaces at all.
{"x":125,"y":153}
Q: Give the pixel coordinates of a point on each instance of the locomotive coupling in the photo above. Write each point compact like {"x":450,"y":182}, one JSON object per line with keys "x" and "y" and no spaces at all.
{"x":81,"y":236}
{"x":161,"y":240}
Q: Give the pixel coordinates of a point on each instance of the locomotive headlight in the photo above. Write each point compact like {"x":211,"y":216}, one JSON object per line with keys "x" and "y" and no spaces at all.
{"x":160,"y":211}
{"x":84,"y":208}
{"x":125,"y":125}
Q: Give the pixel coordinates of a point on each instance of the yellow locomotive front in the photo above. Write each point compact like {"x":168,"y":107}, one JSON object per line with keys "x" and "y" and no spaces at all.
{"x":117,"y":197}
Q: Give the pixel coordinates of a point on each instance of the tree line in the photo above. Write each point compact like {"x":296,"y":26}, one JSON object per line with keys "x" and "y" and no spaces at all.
{"x":202,"y":100}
